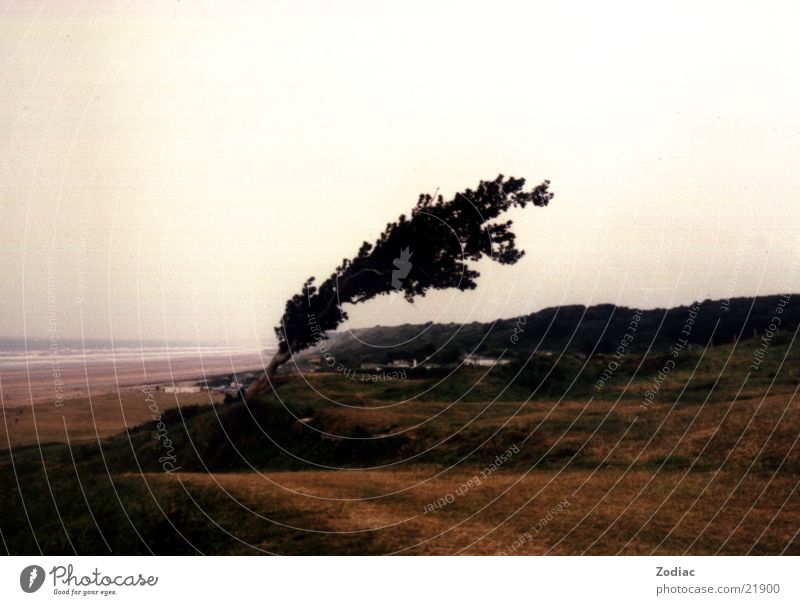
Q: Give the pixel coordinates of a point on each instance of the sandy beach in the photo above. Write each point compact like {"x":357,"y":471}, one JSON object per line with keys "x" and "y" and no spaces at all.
{"x":56,"y":382}
{"x":79,"y":398}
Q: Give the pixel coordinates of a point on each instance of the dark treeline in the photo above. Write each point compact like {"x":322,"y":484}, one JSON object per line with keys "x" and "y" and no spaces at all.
{"x":574,"y":329}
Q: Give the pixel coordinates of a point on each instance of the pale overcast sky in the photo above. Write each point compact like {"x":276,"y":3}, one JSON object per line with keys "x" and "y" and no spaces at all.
{"x":177,"y":169}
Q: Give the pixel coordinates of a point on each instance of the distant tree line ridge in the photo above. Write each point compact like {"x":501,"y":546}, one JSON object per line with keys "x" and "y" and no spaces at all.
{"x":575,"y":329}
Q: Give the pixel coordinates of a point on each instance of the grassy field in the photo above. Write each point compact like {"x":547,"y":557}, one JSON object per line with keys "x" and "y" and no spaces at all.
{"x":472,"y":464}
{"x":80,"y":420}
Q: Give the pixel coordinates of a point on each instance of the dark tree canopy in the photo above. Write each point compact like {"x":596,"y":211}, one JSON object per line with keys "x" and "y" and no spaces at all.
{"x":429,"y":249}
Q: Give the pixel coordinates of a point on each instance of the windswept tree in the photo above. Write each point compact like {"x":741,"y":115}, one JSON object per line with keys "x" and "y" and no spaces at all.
{"x":429,"y":249}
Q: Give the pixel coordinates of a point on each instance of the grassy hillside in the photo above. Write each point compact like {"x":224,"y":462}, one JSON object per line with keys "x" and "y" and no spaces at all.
{"x":716,"y":447}
{"x":441,"y":420}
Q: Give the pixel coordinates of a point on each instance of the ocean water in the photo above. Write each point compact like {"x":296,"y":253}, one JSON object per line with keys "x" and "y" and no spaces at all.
{"x":16,"y":353}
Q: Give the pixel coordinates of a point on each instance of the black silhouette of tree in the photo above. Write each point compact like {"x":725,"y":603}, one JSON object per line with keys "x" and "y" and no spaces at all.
{"x":429,"y":249}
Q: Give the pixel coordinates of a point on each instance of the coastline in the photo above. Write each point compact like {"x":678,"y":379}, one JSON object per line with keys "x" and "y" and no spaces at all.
{"x":57,"y":384}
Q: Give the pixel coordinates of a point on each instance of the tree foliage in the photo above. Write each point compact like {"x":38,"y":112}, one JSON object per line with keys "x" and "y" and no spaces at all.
{"x":430,"y":249}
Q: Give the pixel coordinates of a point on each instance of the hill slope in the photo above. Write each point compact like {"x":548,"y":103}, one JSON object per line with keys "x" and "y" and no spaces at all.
{"x":574,"y":329}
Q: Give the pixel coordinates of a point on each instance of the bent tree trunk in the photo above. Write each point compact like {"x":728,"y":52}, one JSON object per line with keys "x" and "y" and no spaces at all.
{"x":267,"y":379}
{"x":331,"y":313}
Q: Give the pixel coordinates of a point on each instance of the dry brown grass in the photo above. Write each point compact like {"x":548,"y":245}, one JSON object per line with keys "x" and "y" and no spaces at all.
{"x":609,"y":512}
{"x":80,"y":420}
{"x":677,"y":480}
{"x":694,"y":478}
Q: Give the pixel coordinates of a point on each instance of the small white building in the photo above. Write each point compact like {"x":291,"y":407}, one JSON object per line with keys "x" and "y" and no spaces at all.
{"x":403,"y":363}
{"x":182,"y":389}
{"x":484,"y":362}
